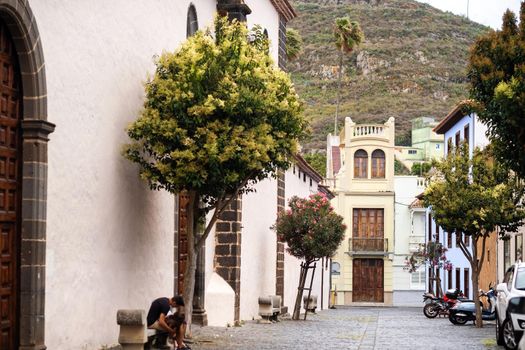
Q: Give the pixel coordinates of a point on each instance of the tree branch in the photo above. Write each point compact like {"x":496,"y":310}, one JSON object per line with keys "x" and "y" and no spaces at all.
{"x":480,"y":262}
{"x":220,"y":205}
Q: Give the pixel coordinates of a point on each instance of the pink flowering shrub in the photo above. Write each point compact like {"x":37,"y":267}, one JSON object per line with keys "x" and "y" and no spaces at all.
{"x":432,"y":253}
{"x":310,"y":227}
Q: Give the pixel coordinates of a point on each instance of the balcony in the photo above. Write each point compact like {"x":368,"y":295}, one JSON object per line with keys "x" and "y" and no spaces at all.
{"x":369,"y":130}
{"x":368,"y":246}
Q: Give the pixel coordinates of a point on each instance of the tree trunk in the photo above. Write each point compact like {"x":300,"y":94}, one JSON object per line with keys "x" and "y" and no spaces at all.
{"x":191,"y":265}
{"x":195,"y":242}
{"x":310,"y":289}
{"x":475,"y":284}
{"x":431,"y":280}
{"x":439,"y":290}
{"x":300,"y":288}
{"x":339,"y":74}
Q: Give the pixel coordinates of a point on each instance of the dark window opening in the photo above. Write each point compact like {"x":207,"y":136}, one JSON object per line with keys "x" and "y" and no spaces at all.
{"x":466,"y":135}
{"x":192,"y":24}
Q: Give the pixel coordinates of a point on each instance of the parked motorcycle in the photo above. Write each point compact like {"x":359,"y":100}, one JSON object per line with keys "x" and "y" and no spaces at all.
{"x":440,"y":306}
{"x":465,"y":311}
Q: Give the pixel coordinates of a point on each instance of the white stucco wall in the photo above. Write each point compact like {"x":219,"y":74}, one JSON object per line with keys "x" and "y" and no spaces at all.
{"x":407,"y":228}
{"x":258,"y":251}
{"x":477,"y":138}
{"x":109,"y":238}
{"x":477,"y":132}
{"x":258,"y":247}
{"x":265,"y":15}
{"x":296,"y":186}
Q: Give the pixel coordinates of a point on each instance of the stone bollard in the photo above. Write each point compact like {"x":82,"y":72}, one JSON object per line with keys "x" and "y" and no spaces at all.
{"x":276,"y":307}
{"x":265,"y":309}
{"x":132,"y":324}
{"x":310,"y":305}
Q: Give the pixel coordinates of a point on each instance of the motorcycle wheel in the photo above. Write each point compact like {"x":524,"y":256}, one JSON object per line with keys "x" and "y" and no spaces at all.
{"x":452,"y":319}
{"x":457,"y":320}
{"x":431,"y":310}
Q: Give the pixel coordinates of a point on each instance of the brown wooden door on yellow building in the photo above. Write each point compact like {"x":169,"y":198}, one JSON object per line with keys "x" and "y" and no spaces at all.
{"x":367,"y":280}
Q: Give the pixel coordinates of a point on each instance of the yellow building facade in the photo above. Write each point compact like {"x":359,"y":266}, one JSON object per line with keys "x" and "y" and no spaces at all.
{"x":360,"y":172}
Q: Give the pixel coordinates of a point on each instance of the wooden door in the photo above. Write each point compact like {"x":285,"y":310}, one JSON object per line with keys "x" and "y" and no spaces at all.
{"x":182,"y":241}
{"x":368,"y":230}
{"x":10,"y":174}
{"x":367,"y":280}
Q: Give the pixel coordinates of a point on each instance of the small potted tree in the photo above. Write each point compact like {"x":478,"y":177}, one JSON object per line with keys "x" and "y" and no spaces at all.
{"x":312,"y":230}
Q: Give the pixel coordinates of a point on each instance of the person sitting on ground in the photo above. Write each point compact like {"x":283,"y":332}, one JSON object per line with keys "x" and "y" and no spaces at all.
{"x":175,"y":326}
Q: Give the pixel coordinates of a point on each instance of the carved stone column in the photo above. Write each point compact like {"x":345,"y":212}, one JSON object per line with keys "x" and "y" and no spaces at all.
{"x":33,"y":236}
{"x":199,"y":315}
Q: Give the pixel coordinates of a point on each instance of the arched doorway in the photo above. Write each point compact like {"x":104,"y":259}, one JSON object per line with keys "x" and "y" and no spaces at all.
{"x":10,"y":188}
{"x":28,"y":198}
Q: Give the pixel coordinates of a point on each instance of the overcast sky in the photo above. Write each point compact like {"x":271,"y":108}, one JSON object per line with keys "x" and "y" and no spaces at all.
{"x":487,"y":12}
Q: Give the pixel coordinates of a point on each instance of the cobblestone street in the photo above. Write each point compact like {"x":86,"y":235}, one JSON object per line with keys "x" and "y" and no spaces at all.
{"x":362,"y":328}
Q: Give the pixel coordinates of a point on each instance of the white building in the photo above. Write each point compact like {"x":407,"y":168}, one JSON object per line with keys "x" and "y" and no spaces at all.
{"x":409,"y":234}
{"x":82,"y":235}
{"x":457,"y":127}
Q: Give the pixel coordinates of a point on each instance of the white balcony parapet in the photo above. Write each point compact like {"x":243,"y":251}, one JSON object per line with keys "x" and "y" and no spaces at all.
{"x":368,"y":130}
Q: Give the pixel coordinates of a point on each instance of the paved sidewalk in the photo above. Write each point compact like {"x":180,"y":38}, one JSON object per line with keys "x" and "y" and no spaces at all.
{"x":353,"y":328}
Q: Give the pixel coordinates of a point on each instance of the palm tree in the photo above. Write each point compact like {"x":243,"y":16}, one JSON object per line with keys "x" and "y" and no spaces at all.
{"x":348,"y":35}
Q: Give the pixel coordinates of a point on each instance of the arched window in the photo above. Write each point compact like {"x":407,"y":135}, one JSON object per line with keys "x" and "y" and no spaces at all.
{"x":192,"y":25}
{"x":361,"y":164}
{"x":378,"y":164}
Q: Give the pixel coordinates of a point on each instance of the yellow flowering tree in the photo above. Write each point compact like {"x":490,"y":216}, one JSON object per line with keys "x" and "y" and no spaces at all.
{"x":218,"y":117}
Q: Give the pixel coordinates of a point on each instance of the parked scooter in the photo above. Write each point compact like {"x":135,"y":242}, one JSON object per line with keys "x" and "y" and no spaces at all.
{"x":465,"y":311}
{"x":439,"y":306}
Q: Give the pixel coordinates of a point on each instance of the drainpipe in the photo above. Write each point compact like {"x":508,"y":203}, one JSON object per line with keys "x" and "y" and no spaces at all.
{"x":322,"y":281}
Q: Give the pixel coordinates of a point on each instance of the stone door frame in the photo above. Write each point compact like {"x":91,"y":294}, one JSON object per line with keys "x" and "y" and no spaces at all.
{"x":19,"y":18}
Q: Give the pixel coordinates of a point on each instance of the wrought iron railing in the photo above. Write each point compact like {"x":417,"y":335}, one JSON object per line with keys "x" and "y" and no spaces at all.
{"x":368,"y":244}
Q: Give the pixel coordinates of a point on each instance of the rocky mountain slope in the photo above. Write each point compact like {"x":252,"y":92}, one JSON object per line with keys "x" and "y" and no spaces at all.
{"x":412,"y":63}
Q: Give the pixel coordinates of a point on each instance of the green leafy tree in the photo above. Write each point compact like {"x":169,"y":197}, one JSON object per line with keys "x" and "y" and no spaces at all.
{"x":294,"y":44}
{"x":318,"y":161}
{"x":312,"y":230}
{"x":474,"y":197}
{"x":218,"y":117}
{"x":348,"y":35}
{"x":497,"y":77}
{"x":420,"y":169}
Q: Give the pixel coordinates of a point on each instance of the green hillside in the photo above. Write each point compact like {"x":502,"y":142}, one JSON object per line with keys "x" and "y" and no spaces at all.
{"x":412,"y":63}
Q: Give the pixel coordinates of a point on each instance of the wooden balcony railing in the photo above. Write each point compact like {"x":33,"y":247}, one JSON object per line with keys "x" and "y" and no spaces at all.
{"x":356,"y":245}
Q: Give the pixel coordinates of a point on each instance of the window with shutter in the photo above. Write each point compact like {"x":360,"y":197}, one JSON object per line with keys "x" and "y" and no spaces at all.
{"x":378,"y":164}
{"x":361,"y":164}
